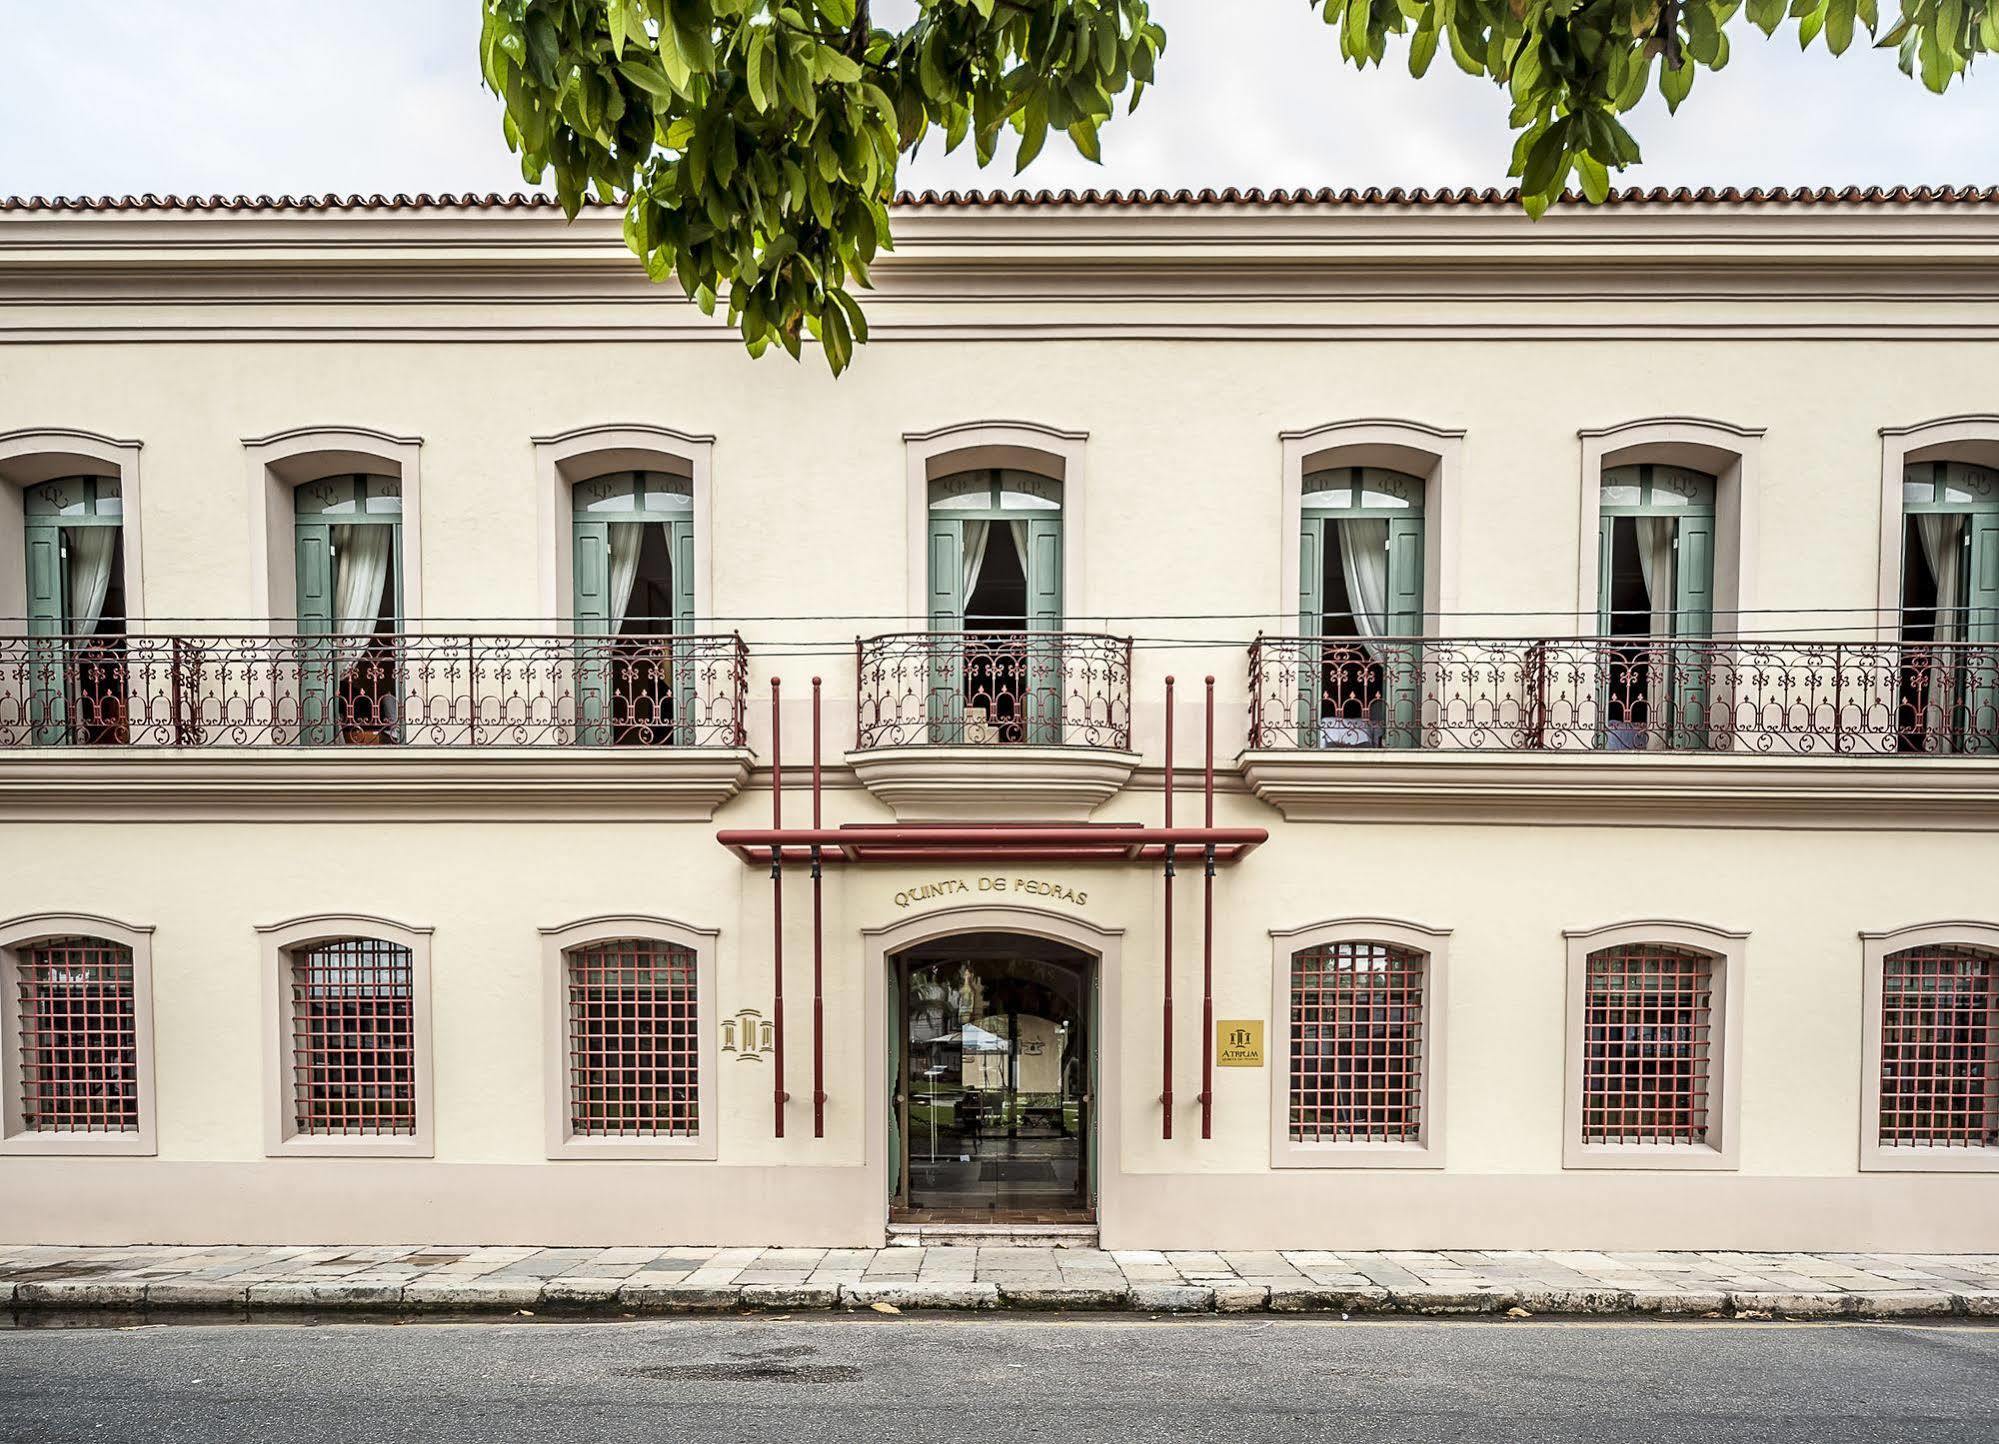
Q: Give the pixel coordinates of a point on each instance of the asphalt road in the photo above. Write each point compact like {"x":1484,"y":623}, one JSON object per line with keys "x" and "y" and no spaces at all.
{"x":914,"y":1381}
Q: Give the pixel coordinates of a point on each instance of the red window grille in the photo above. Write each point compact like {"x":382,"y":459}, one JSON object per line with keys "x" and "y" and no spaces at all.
{"x":634,"y":1062}
{"x":353,"y":1038}
{"x":1939,"y":1037}
{"x":1648,"y":1046}
{"x":79,"y":1037}
{"x":1357,"y":1044}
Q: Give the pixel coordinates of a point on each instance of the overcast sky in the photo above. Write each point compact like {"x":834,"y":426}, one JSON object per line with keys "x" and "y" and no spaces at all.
{"x":384,"y":95}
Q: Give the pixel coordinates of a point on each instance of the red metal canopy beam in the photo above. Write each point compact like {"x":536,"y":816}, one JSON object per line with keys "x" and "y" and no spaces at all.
{"x":988,"y":842}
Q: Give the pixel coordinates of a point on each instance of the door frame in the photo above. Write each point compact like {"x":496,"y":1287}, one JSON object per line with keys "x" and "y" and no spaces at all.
{"x":1104,"y":945}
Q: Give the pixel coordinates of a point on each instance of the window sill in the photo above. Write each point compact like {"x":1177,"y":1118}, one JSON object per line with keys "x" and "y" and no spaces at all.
{"x":1875,"y":1158}
{"x":1644,"y":1157}
{"x":80,"y":1145}
{"x":359,"y":1146}
{"x":1286,"y":1154}
{"x":698,"y":1149}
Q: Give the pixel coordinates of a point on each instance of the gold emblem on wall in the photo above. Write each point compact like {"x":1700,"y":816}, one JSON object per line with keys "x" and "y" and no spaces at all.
{"x":1239,"y":1042}
{"x":749,"y":1035}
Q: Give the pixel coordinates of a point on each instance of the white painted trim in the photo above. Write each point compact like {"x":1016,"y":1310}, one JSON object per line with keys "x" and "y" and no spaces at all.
{"x":1432,"y":453}
{"x":1106,"y":945}
{"x":33,"y":455}
{"x":992,"y":783}
{"x":967,"y":446}
{"x":278,"y":942}
{"x":565,"y":458}
{"x":1730,"y":454}
{"x":1874,"y":950}
{"x":560,"y":1140}
{"x":284,"y":461}
{"x":1729,"y":952}
{"x":1434,"y":945}
{"x":20,"y":932}
{"x":1948,"y":438}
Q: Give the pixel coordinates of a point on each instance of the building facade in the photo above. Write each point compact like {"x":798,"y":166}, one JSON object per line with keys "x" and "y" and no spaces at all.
{"x":421,"y":630}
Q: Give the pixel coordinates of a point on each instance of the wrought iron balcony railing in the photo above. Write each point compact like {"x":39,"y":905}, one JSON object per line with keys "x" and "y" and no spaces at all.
{"x":418,"y":690}
{"x":1804,"y":698}
{"x":1037,"y":689}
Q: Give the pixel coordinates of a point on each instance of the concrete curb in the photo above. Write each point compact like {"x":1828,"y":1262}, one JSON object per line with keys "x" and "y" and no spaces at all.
{"x":33,"y":1299}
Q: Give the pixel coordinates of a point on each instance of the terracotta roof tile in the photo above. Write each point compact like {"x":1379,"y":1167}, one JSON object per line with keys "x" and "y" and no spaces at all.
{"x":1065,"y":199}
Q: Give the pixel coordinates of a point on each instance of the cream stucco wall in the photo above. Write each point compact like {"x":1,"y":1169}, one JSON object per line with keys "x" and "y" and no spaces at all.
{"x":1181,"y":400}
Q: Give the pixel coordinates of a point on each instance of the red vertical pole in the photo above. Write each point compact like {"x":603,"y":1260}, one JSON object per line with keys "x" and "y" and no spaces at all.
{"x":778,"y":1095}
{"x":1208,"y":935}
{"x":818,"y":946}
{"x":1166,"y":1037}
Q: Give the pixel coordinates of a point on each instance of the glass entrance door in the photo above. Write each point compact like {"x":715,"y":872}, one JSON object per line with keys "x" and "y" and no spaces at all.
{"x":995,"y":1081}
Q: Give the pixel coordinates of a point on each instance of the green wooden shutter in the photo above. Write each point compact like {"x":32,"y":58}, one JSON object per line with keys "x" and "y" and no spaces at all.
{"x":318,"y":702}
{"x":947,"y":614}
{"x":1403,"y":660}
{"x":48,"y":615}
{"x":1693,"y":623}
{"x":590,"y":569}
{"x":686,"y":692}
{"x":1311,"y":620}
{"x":1043,"y":709}
{"x":1981,"y":629}
{"x":1605,"y":538}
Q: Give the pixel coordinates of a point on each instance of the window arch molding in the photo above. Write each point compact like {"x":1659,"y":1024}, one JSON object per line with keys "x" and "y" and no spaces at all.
{"x":1432,"y":454}
{"x":17,"y":934}
{"x":1026,"y":446}
{"x":280,"y":941}
{"x":1875,"y":950}
{"x":1727,"y":452}
{"x":1434,"y":944}
{"x":557,"y":944}
{"x":564,"y":459}
{"x":284,"y":461}
{"x":33,"y":455}
{"x":1728,"y":951}
{"x":1973,"y":438}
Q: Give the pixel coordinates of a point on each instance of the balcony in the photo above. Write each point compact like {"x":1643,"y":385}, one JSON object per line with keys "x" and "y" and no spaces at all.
{"x":993,"y":725}
{"x":1797,"y":698}
{"x":431,"y":721}
{"x":1626,"y":730}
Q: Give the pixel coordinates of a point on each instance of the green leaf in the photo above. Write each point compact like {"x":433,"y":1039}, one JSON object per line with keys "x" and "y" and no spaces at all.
{"x":647,"y":78}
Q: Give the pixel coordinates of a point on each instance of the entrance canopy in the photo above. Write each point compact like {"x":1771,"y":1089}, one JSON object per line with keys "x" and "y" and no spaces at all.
{"x":988,"y":842}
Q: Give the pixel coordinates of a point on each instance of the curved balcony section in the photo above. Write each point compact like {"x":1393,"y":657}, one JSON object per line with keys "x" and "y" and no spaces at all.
{"x":994,"y":726}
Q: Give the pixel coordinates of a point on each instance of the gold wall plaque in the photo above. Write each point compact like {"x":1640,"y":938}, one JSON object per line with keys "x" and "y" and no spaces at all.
{"x":1239,"y":1042}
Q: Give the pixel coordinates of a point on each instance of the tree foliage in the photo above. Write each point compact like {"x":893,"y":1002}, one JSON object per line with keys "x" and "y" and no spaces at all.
{"x":755,"y":144}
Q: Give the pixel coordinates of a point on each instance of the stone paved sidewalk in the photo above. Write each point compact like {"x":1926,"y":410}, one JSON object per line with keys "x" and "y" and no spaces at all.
{"x":622,"y":1281}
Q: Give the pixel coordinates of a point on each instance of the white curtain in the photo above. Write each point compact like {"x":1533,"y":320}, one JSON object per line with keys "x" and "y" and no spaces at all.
{"x":91,"y":551}
{"x":1655,"y":562}
{"x":1018,"y":531}
{"x":627,"y":538}
{"x":1941,"y":535}
{"x":361,"y":556}
{"x":974,"y":558}
{"x":1364,"y":561}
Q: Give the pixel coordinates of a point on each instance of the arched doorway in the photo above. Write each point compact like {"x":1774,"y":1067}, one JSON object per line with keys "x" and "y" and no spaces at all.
{"x":993,"y":1080}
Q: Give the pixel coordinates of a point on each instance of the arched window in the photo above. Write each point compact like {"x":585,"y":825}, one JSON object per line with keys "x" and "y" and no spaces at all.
{"x":631,"y":1039}
{"x":1655,"y":604}
{"x":1357,"y":1044}
{"x":74,"y":529}
{"x":1648,"y":1046}
{"x":995,"y":581}
{"x":1939,"y":1050}
{"x":75,"y":1036}
{"x":1949,"y":608}
{"x":632,"y":555}
{"x":1360,"y":570}
{"x":348,"y":532}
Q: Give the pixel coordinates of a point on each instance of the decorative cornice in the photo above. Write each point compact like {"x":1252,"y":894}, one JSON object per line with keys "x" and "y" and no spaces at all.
{"x":1665,"y":423}
{"x":342,"y":922}
{"x":372,"y":784}
{"x":1373,"y":423}
{"x":1986,"y":421}
{"x":48,"y":438}
{"x":575,"y":434}
{"x":959,"y":428}
{"x":1610,"y":790}
{"x":993,"y":784}
{"x":302,"y":433}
